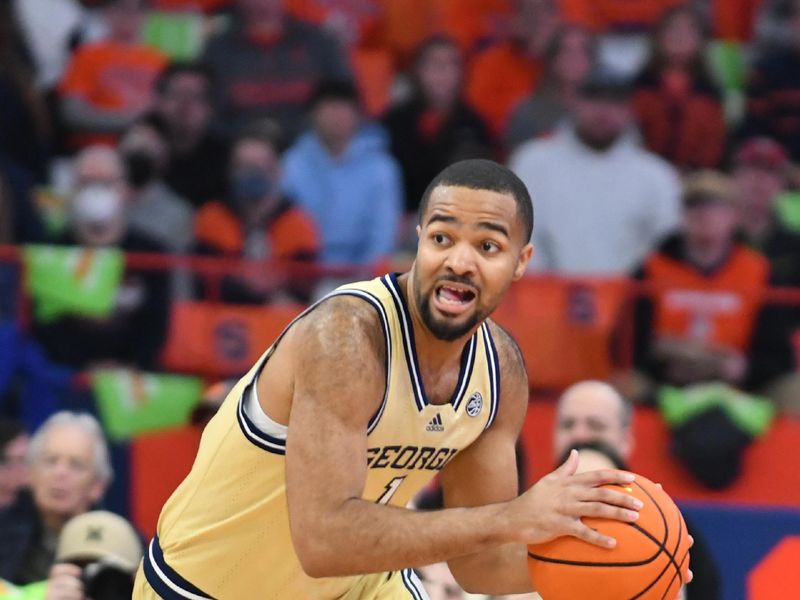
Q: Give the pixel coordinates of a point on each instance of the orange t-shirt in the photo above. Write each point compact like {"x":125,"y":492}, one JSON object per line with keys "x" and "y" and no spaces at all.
{"x":605,"y":15}
{"x":407,"y":23}
{"x":291,"y":234}
{"x":499,"y":79}
{"x":720,"y":308}
{"x":113,"y":76}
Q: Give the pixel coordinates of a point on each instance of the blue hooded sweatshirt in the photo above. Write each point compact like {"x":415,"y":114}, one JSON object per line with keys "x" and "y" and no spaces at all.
{"x":356,"y":199}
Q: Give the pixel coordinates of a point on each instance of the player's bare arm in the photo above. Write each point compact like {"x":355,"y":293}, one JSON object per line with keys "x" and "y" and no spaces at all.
{"x":486,"y":473}
{"x":338,"y":380}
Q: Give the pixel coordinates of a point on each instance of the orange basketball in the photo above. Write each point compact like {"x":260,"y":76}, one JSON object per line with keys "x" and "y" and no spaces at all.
{"x":649,"y":562}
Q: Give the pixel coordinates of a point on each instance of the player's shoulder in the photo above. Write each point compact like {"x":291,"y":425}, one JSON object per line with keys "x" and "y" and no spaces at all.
{"x":509,"y":355}
{"x":341,"y":322}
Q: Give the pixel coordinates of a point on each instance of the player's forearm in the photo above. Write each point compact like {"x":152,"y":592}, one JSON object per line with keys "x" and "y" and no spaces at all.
{"x":363,"y":537}
{"x":497,"y":571}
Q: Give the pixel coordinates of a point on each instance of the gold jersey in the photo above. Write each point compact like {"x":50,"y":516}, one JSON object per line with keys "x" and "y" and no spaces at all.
{"x":224,"y":532}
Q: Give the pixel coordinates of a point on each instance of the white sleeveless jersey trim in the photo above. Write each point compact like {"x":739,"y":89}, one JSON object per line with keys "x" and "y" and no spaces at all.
{"x":268,"y":434}
{"x":260,"y":419}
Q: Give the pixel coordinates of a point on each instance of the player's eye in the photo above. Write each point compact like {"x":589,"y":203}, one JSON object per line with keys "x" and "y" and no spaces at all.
{"x":440,"y":239}
{"x":490,"y":247}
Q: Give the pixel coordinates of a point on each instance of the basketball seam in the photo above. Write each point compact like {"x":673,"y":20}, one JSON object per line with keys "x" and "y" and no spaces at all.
{"x":683,"y":560}
{"x":578,"y":563}
{"x":670,"y":561}
{"x":662,"y":545}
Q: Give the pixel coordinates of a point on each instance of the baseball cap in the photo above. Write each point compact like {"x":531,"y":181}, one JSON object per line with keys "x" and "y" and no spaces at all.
{"x":762,"y":152}
{"x":605,"y":83}
{"x":100,"y":536}
{"x":707,"y":187}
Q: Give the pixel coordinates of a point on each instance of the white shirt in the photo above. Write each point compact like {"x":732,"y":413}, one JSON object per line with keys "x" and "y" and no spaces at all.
{"x":596,"y":213}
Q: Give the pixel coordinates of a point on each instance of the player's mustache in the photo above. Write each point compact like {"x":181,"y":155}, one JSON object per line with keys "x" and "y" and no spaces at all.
{"x":463,"y":280}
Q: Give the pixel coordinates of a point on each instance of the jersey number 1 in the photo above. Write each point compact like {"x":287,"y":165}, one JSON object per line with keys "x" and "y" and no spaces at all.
{"x":391,"y":489}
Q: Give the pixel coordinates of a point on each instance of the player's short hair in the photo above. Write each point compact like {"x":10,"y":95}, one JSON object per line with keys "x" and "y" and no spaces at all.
{"x":482,"y":174}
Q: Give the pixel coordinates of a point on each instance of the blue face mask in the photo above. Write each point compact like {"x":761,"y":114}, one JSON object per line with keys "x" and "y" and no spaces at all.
{"x":248,"y":187}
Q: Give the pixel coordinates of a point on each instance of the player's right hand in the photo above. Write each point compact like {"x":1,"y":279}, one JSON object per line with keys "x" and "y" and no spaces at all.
{"x":553,"y":507}
{"x":64,"y":583}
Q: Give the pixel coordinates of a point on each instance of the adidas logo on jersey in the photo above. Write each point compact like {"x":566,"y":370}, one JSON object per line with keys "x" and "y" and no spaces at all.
{"x":435,"y":424}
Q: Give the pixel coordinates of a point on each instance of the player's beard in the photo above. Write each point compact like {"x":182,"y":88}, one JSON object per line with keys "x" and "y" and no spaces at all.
{"x":444,"y":329}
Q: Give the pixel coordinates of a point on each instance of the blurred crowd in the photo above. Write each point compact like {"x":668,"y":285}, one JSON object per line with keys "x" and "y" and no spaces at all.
{"x":659,"y":140}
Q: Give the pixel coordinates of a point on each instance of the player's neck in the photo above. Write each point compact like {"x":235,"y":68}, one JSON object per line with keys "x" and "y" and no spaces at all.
{"x":434,"y":355}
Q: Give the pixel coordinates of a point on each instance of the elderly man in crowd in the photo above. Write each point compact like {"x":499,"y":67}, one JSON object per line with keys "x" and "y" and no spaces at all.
{"x":70,"y":470}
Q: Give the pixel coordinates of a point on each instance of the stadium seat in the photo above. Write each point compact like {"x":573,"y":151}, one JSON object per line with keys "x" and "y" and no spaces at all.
{"x":219,"y":340}
{"x":564,"y":329}
{"x":153,"y":479}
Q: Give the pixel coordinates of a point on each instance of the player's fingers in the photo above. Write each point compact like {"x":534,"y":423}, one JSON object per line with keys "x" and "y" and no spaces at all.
{"x":568,"y":467}
{"x":612,"y":497}
{"x":604,"y":511}
{"x":691,"y":541}
{"x":604,"y":476}
{"x":587,"y":534}
{"x":60,"y":569}
{"x":689,"y":576}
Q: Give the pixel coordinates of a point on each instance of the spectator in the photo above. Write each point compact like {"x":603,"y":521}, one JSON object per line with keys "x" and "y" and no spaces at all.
{"x":97,"y":557}
{"x":342,"y":174}
{"x":69,"y":473}
{"x":23,"y":224}
{"x":623,"y":27}
{"x":594,"y":418}
{"x":197,"y":157}
{"x":268,"y":65}
{"x":698,"y":323}
{"x":255,"y":221}
{"x":773,"y":91}
{"x":505,"y":73}
{"x":13,"y":469}
{"x":24,"y":122}
{"x":51,"y":29}
{"x":676,"y":101}
{"x":154,"y":210}
{"x":109,"y":84}
{"x":602,"y":202}
{"x":31,"y":387}
{"x":353,"y":24}
{"x":760,"y":172}
{"x":592,"y":411}
{"x":569,"y":58}
{"x":133,"y":331}
{"x":434,"y":127}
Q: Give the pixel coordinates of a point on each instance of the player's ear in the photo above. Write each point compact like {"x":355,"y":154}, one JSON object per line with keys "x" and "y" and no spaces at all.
{"x":522,"y":261}
{"x":418,"y":230}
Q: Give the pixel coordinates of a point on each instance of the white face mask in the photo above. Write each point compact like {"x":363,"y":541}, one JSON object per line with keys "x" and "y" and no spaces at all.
{"x":96,"y":204}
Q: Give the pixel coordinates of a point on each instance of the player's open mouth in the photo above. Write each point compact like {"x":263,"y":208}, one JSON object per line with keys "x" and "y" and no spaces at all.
{"x":453,"y":298}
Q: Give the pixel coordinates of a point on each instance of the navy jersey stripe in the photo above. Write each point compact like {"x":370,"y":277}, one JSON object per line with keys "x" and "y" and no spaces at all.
{"x":494,"y":374}
{"x":409,"y":349}
{"x":164,"y":580}
{"x":408,"y":340}
{"x":412,"y":584}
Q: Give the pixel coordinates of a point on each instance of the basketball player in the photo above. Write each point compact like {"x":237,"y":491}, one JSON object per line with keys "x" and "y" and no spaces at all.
{"x":301,"y":480}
